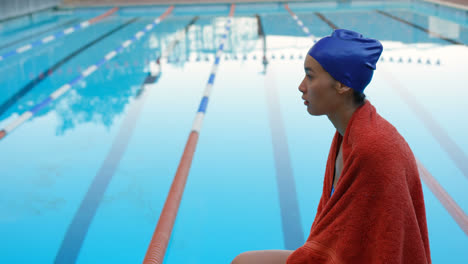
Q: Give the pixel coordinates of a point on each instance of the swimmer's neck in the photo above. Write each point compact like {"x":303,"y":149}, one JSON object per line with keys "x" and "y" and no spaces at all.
{"x":341,"y":116}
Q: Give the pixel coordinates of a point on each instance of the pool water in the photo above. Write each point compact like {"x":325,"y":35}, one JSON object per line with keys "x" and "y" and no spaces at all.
{"x":113,"y":143}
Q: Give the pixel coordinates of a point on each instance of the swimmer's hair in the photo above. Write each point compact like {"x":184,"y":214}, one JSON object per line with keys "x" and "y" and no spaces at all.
{"x":358,"y":97}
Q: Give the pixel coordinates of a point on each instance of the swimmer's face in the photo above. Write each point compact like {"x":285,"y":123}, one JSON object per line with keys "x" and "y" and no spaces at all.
{"x":318,"y":88}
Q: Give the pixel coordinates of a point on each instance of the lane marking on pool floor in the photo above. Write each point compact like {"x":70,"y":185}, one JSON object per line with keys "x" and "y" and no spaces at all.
{"x":293,"y":236}
{"x":88,"y":71}
{"x":30,"y":36}
{"x":261,"y":34}
{"x":57,"y":35}
{"x":290,"y":214}
{"x":455,"y":152}
{"x":162,"y":233}
{"x":430,"y":33}
{"x":78,"y":229}
{"x":37,"y":80}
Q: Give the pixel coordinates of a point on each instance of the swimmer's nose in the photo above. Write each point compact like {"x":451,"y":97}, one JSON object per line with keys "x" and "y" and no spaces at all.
{"x":302,"y":87}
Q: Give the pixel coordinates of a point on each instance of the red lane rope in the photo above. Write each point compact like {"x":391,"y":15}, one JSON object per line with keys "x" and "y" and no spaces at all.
{"x":162,"y":234}
{"x":108,"y":13}
{"x":445,"y":199}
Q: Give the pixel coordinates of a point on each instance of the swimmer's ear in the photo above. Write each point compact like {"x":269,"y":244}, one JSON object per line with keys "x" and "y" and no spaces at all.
{"x":341,"y":88}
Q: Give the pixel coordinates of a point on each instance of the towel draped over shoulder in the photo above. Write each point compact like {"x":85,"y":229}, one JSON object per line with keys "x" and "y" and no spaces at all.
{"x":376,"y":213}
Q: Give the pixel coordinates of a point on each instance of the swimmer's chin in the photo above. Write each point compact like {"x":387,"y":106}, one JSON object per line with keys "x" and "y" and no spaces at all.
{"x":313,"y":112}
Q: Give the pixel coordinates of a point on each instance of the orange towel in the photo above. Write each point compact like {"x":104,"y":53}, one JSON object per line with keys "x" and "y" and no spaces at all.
{"x":377,"y":213}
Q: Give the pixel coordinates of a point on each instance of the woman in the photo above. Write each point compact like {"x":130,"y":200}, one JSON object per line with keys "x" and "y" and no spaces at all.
{"x":372,"y":205}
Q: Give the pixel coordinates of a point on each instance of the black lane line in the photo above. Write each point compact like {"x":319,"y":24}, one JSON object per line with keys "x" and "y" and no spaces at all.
{"x":28,"y":87}
{"x":261,"y":34}
{"x":76,"y":233}
{"x":290,"y":214}
{"x":293,"y":235}
{"x":7,"y":45}
{"x":324,"y":19}
{"x":419,"y":27}
{"x":78,"y":228}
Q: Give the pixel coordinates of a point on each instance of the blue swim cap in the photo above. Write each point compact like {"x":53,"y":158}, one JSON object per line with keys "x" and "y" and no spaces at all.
{"x":348,"y":57}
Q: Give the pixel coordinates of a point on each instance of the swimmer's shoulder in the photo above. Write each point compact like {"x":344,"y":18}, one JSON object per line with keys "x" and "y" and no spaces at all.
{"x":383,"y":142}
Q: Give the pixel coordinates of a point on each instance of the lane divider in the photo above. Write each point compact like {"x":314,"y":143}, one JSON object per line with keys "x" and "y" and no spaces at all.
{"x":444,"y":140}
{"x":417,"y":61}
{"x":410,"y":60}
{"x":44,"y":74}
{"x":88,"y":71}
{"x":106,"y":14}
{"x":158,"y":245}
{"x":451,"y":148}
{"x":446,"y":200}
{"x":300,"y":23}
{"x":57,"y":35}
{"x":454,"y":151}
{"x":79,"y":226}
{"x":67,"y":23}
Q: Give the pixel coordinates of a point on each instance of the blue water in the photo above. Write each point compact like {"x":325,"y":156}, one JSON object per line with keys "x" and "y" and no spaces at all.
{"x":255,"y":123}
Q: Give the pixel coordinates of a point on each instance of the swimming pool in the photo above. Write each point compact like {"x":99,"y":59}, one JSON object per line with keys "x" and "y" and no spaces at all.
{"x":85,"y":177}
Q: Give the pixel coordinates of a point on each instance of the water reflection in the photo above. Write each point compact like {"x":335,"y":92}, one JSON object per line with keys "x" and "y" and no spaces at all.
{"x":104,"y":95}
